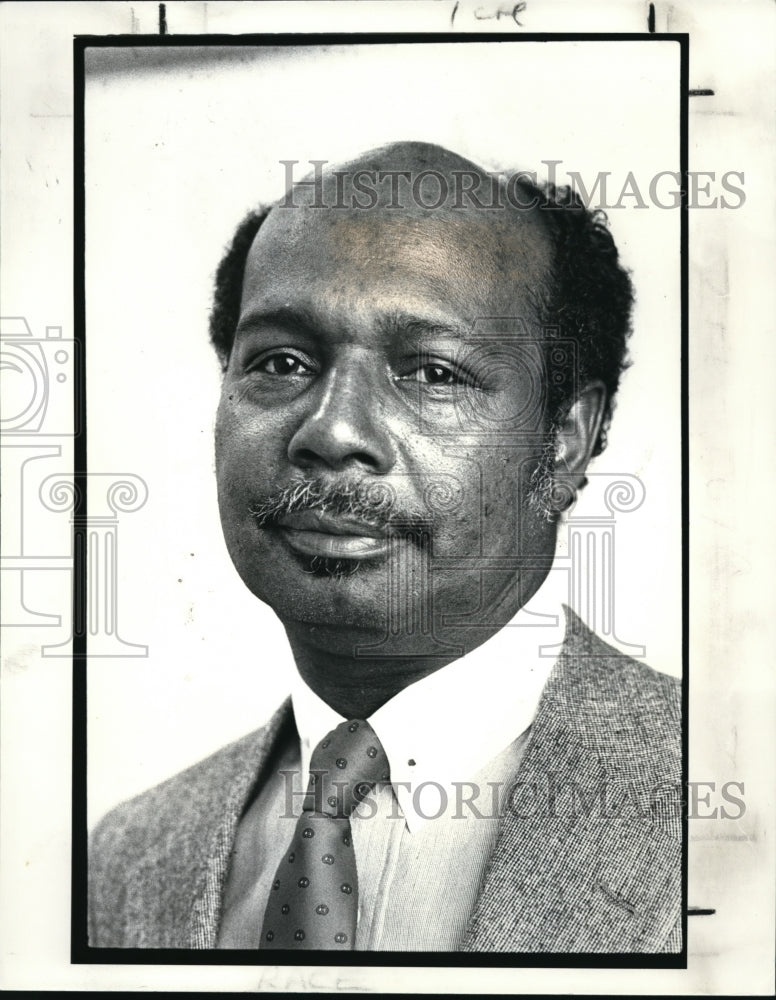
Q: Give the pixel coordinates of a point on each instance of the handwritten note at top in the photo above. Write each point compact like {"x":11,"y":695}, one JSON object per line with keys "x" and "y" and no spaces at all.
{"x":508,"y":12}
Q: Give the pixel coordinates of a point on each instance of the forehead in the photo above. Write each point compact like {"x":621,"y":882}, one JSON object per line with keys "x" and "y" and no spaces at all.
{"x":337,"y":263}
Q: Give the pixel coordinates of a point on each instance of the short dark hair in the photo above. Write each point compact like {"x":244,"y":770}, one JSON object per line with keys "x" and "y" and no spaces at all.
{"x":588,"y":298}
{"x":225,"y":313}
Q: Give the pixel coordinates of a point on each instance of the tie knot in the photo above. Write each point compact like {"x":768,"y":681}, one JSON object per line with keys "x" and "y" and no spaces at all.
{"x":347,"y":763}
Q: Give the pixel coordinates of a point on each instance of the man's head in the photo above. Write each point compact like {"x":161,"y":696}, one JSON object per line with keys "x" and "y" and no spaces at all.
{"x":436,"y":370}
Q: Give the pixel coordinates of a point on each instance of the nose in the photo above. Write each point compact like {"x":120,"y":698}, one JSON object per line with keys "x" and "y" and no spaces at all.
{"x":345,"y":427}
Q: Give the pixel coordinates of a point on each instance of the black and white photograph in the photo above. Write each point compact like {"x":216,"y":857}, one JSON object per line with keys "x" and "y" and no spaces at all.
{"x":385,"y":542}
{"x":419,"y":357}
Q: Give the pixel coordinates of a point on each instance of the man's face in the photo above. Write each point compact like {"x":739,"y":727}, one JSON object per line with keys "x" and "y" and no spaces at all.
{"x":367,"y":365}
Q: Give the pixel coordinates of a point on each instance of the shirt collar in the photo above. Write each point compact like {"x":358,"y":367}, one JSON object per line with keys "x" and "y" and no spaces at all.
{"x":447,"y":726}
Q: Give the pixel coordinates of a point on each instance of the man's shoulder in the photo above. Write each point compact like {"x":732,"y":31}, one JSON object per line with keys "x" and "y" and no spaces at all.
{"x":589,"y":855}
{"x":619,"y":705}
{"x":174,"y":798}
{"x":148,"y":856}
{"x":608,"y":670}
{"x":181,"y":799}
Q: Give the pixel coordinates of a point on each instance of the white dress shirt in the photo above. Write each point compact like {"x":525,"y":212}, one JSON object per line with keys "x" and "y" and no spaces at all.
{"x":454,"y":740}
{"x":444,"y":728}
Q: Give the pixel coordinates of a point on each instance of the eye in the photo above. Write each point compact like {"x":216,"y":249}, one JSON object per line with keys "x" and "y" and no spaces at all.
{"x":283,"y":363}
{"x":433,"y":374}
{"x":438,"y":375}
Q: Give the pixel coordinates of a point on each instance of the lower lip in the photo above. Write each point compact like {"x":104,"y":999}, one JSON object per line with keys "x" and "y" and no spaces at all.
{"x":321,"y":543}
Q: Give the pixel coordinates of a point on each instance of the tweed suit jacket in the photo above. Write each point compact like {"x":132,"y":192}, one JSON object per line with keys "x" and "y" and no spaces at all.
{"x":588,"y":856}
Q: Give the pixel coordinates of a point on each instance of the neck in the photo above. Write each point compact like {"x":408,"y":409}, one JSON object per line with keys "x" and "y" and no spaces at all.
{"x":357,"y":688}
{"x":341,"y":671}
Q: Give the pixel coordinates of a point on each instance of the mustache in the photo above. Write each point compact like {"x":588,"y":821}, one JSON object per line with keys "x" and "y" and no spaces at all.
{"x":373,"y":503}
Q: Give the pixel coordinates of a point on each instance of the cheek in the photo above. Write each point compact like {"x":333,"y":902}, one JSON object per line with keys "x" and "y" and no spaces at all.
{"x":221,"y":438}
{"x":229,"y":448}
{"x":501,"y":506}
{"x":245,"y":439}
{"x":241,"y":459}
{"x":464,"y":501}
{"x":494,"y":515}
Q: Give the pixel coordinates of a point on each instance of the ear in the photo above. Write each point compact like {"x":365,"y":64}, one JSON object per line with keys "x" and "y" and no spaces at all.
{"x":578,"y":434}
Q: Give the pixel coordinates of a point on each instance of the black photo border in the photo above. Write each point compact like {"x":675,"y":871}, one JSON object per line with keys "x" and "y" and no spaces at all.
{"x":80,"y":950}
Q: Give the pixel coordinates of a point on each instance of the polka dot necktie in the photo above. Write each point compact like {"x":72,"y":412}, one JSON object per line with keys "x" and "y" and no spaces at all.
{"x":313,"y":902}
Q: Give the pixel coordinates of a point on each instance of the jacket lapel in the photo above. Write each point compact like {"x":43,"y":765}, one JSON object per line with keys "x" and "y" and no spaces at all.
{"x":220,"y":829}
{"x":578,"y":865}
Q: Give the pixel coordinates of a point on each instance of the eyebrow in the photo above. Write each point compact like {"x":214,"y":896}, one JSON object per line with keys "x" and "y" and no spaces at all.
{"x":392,"y":324}
{"x":292,"y":318}
{"x":402,"y":324}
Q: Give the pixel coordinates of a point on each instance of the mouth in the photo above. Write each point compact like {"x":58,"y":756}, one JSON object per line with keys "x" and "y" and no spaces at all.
{"x":314,"y":533}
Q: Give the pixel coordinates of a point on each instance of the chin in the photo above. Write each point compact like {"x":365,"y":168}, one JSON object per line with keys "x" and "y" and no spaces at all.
{"x":325,"y":593}
{"x":332,"y":568}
